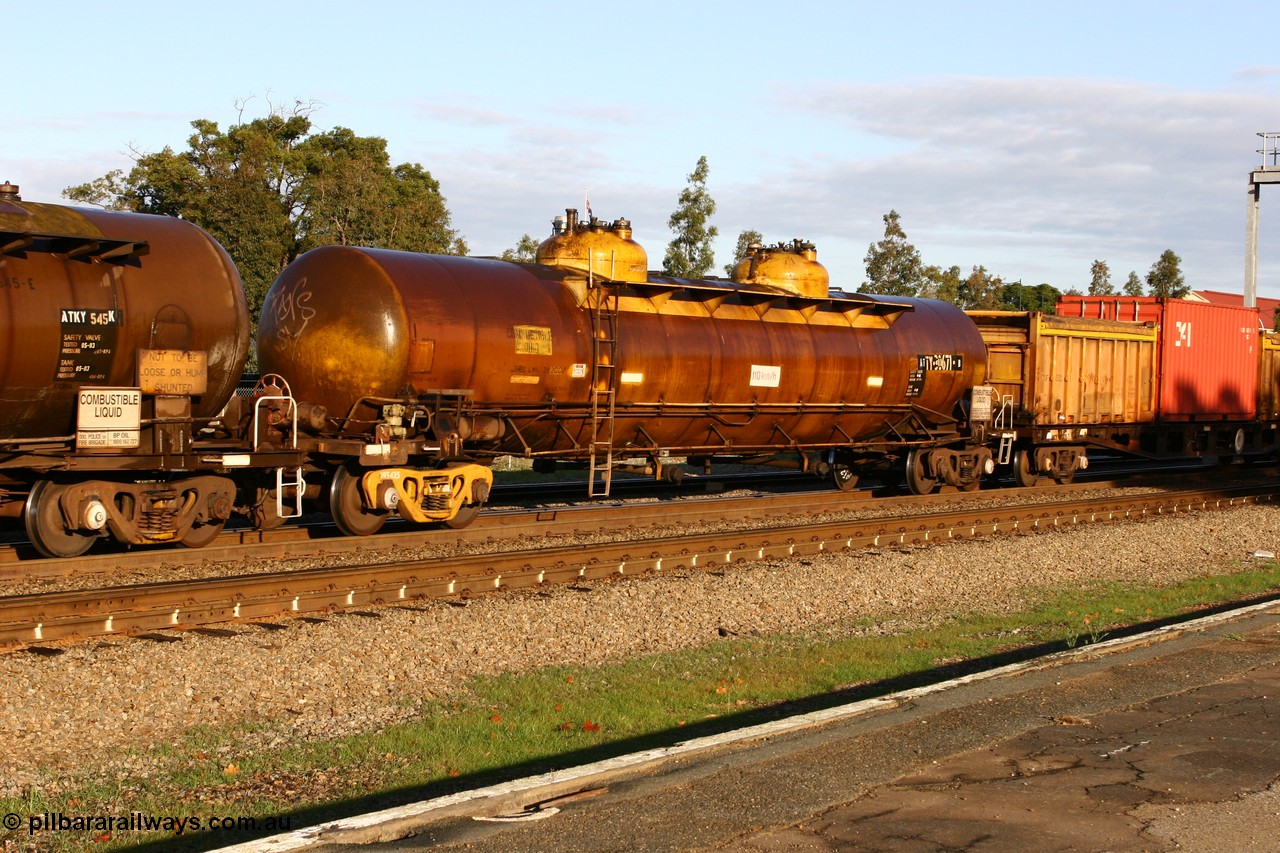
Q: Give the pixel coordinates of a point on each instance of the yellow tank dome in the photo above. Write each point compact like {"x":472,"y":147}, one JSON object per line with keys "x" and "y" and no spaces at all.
{"x":604,"y":249}
{"x":791,"y":267}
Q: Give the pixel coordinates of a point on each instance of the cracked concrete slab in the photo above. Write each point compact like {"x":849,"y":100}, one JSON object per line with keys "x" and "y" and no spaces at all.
{"x":1193,"y":770}
{"x":1169,"y":746}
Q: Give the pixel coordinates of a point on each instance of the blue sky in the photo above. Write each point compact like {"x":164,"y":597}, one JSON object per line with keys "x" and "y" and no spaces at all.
{"x":1028,"y":138}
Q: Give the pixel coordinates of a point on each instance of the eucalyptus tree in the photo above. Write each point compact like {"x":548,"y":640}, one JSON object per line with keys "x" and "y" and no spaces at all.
{"x":1133,"y":285}
{"x":1165,"y":277}
{"x":1100,"y":279}
{"x":893,"y":264}
{"x":690,"y":255}
{"x":524,"y":251}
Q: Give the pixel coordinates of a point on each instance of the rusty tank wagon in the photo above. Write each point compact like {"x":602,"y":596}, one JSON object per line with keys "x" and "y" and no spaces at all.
{"x":127,"y":335}
{"x":586,"y":356}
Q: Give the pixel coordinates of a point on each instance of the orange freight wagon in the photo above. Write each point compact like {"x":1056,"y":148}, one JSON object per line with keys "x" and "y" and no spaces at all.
{"x":1208,"y":365}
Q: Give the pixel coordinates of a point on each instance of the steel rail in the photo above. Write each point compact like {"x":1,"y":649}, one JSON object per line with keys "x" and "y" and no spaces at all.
{"x":295,"y":541}
{"x":131,"y":609}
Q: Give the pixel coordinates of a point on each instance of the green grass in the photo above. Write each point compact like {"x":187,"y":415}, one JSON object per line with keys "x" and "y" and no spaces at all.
{"x":517,"y":724}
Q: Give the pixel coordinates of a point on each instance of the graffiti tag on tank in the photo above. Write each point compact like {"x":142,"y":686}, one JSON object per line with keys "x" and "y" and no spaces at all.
{"x":292,"y":310}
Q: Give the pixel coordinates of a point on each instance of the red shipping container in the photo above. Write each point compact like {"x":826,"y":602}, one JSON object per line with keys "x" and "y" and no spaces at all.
{"x":1208,"y":367}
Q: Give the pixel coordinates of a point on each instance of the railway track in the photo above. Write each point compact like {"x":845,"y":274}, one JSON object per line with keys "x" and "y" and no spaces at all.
{"x":297,"y":541}
{"x":137,"y":608}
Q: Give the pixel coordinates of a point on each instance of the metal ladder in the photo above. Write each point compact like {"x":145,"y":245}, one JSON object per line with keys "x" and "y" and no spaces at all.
{"x":604,"y":344}
{"x":293,"y":478}
{"x":1004,"y":424}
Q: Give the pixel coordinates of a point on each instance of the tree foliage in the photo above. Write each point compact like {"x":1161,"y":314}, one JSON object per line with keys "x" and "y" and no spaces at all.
{"x":746,"y":239}
{"x":981,"y":291}
{"x":1165,"y":277}
{"x":1100,"y":279}
{"x":524,"y":252}
{"x":893,"y":265}
{"x":1017,"y":296}
{"x":1133,"y":285}
{"x":937,"y":283}
{"x":269,"y":190}
{"x":690,"y":254}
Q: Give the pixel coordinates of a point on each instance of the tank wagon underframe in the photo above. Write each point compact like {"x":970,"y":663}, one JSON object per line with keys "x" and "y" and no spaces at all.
{"x":900,"y":427}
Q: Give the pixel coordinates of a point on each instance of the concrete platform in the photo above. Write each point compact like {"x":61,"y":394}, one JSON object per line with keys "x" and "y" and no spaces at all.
{"x":1150,"y":746}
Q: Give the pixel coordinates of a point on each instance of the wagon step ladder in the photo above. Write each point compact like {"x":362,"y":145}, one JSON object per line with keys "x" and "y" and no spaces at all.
{"x":1004,"y":421}
{"x":604,"y":345}
{"x":296,"y":482}
{"x":262,"y":405}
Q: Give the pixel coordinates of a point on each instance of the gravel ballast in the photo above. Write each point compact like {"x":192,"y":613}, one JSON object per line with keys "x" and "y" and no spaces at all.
{"x":101,"y":709}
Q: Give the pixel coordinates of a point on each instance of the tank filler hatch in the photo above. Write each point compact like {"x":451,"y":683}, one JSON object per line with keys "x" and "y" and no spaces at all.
{"x":792,"y":267}
{"x":600,"y":249}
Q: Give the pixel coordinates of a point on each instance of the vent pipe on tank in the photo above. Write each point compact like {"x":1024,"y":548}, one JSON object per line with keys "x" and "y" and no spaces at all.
{"x":9,"y":192}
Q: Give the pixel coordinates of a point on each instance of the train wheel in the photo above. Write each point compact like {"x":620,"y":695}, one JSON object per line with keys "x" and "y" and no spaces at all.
{"x":347,"y":509}
{"x":201,"y":535}
{"x":464,"y":517}
{"x":46,"y":528}
{"x":843,"y":477}
{"x":1024,"y":473}
{"x":918,"y":481}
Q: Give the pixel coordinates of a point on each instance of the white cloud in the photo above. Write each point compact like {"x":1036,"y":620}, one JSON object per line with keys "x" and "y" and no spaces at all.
{"x":1259,"y":72}
{"x":1034,"y":177}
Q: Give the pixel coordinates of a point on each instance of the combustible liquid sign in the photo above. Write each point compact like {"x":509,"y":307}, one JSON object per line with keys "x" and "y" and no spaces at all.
{"x":108,"y":418}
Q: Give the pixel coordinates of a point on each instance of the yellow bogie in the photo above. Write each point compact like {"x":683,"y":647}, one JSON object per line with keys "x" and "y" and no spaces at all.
{"x":428,"y":495}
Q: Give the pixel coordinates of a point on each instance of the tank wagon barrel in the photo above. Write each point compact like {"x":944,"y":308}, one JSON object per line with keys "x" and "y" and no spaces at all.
{"x":586,"y":356}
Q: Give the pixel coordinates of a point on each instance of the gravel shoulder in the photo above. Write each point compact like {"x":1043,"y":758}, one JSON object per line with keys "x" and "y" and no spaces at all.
{"x":106,"y":710}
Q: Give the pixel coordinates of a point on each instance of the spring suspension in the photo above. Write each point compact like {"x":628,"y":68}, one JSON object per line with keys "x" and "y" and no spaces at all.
{"x":435,"y":502}
{"x":161,"y":512}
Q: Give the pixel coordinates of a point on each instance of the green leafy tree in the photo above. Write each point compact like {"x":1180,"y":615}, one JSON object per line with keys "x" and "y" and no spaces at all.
{"x":353,"y":196}
{"x":1017,"y":296}
{"x":525,"y":251}
{"x":746,"y":239}
{"x":268,"y":190}
{"x":1100,"y":279}
{"x":980,"y":291}
{"x":1049,"y":296}
{"x":690,"y":254}
{"x":1133,"y":285}
{"x":1165,"y":277}
{"x":893,"y":265}
{"x":937,"y":283}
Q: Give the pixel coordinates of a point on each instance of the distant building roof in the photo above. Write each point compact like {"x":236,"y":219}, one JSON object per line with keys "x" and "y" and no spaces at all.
{"x":1266,"y":307}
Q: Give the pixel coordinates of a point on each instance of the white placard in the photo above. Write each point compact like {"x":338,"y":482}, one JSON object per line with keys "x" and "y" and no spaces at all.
{"x":766,"y":375}
{"x":108,"y":417}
